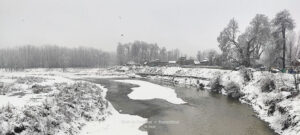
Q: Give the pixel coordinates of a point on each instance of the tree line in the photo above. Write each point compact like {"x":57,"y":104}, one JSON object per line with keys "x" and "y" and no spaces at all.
{"x":52,"y":56}
{"x":140,"y":52}
{"x":269,"y":42}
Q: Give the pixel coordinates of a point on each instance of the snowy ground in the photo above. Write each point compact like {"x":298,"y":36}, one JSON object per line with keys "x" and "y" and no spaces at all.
{"x":147,"y":90}
{"x":115,"y":124}
{"x":278,"y":107}
{"x":28,"y":90}
{"x":42,"y":101}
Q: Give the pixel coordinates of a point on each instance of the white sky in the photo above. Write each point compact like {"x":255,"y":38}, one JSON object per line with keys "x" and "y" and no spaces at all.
{"x":189,"y":25}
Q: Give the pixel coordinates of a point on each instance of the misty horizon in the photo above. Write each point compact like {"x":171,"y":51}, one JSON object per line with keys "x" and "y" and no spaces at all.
{"x":187,"y":25}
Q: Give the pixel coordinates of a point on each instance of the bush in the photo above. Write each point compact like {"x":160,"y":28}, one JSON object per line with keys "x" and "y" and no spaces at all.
{"x":65,"y":112}
{"x":5,"y":88}
{"x":271,"y":109}
{"x":288,"y":122}
{"x":215,"y":84}
{"x":246,"y":73}
{"x":268,"y":85}
{"x":37,"y":89}
{"x":233,"y":90}
{"x":30,"y":80}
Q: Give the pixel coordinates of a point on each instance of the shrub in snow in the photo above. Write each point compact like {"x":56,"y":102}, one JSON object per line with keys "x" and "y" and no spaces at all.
{"x":293,"y":94}
{"x":36,"y":89}
{"x":233,"y":90}
{"x":271,"y":109}
{"x":267,"y":85}
{"x":272,"y":103}
{"x":246,"y":73}
{"x":215,"y":84}
{"x":1,"y":85}
{"x":282,"y":110}
{"x":64,"y":113}
{"x":30,"y":80}
{"x":3,"y":90}
{"x":288,"y":122}
{"x":6,"y":88}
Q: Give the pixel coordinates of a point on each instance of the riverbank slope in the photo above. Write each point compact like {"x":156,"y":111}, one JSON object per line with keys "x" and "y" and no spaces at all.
{"x":272,"y":96}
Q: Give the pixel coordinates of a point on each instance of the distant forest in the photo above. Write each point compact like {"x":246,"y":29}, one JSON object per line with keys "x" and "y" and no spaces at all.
{"x":51,"y":56}
{"x":140,"y":52}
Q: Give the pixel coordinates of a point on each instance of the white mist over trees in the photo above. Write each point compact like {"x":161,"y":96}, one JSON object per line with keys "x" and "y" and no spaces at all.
{"x":140,"y":51}
{"x":52,"y":57}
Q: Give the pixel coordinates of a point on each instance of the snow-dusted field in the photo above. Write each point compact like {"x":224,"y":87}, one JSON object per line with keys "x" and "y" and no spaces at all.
{"x":147,"y":90}
{"x":41,"y":101}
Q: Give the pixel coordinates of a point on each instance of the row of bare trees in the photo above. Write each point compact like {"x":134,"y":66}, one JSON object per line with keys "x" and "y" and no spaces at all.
{"x":52,"y":57}
{"x":271,"y":42}
{"x":140,"y":51}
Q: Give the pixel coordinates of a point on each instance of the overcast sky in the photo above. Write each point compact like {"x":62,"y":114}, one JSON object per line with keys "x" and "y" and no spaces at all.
{"x":189,"y":25}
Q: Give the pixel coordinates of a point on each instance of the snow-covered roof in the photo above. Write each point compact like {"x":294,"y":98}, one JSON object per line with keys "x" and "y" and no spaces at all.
{"x":204,"y":60}
{"x":172,"y":62}
{"x":196,"y":62}
{"x":131,"y":62}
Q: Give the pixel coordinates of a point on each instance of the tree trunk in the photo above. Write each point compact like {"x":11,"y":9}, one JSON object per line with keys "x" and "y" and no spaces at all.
{"x":283,"y":57}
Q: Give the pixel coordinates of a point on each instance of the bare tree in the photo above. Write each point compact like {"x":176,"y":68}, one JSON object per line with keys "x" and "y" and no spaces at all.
{"x":200,"y":56}
{"x":291,"y":47}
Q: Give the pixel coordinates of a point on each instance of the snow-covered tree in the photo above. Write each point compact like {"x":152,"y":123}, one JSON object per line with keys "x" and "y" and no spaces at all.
{"x":283,"y":22}
{"x":247,"y":46}
{"x":255,"y":38}
{"x":228,"y":42}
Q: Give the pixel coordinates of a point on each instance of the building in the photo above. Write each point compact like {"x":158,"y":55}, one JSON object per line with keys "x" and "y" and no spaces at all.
{"x":197,"y":62}
{"x":172,"y":63}
{"x":131,"y":63}
{"x":156,"y":62}
{"x":204,"y":62}
{"x":184,"y":61}
{"x":296,"y":62}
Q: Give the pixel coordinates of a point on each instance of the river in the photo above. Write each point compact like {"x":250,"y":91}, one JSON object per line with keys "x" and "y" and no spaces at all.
{"x":203,"y":114}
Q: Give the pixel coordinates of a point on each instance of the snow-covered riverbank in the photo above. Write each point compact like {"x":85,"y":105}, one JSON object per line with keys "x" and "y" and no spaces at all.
{"x":28,"y":90}
{"x":115,"y":123}
{"x":279,"y":105}
{"x":41,"y":101}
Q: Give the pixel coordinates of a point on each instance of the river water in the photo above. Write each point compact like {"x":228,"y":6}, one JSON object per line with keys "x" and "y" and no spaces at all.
{"x":203,"y":114}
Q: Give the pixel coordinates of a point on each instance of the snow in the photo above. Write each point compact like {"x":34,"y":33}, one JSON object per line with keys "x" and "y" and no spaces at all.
{"x":114,"y":122}
{"x":21,"y":82}
{"x":20,"y":102}
{"x":147,"y":90}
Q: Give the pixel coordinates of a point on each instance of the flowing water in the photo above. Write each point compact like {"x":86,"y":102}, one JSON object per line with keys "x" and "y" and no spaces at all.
{"x":203,"y":114}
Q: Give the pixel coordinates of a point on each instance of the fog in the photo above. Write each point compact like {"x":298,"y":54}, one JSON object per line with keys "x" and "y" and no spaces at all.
{"x":188,"y":25}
